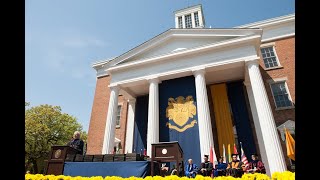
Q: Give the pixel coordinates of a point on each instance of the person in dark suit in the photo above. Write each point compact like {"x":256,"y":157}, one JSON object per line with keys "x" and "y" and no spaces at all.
{"x":206,"y":167}
{"x":76,"y":142}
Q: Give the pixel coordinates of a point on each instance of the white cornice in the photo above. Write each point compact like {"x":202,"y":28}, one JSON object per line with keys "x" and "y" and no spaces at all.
{"x":277,"y":37}
{"x":188,"y":9}
{"x":184,"y":70}
{"x":183,"y":33}
{"x":269,"y":22}
{"x":99,"y":64}
{"x":221,"y":44}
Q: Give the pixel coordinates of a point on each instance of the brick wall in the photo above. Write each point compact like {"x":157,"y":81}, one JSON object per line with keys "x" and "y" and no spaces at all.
{"x":98,"y":116}
{"x":285,"y":50}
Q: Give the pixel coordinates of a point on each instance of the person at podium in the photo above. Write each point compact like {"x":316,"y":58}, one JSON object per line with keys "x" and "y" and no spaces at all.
{"x":206,"y":167}
{"x":76,"y":142}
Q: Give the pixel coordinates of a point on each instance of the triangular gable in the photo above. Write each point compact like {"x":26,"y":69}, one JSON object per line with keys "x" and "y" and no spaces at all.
{"x":175,"y":40}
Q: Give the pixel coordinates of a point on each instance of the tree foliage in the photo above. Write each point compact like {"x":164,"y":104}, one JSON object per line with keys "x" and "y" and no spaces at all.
{"x":46,"y":125}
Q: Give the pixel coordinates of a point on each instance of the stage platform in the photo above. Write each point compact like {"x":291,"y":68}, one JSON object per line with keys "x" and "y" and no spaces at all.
{"x":123,"y":169}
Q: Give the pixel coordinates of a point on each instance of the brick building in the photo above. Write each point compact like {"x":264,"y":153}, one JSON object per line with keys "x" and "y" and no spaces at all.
{"x":260,"y":55}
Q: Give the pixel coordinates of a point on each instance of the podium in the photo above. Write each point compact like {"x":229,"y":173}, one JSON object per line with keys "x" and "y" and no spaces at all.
{"x":56,"y":159}
{"x":167,"y":152}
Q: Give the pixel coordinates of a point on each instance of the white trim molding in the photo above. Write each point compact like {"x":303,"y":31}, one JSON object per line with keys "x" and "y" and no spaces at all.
{"x":269,"y":22}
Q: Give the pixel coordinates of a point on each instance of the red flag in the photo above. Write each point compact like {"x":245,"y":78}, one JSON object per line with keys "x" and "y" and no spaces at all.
{"x":211,"y":159}
{"x":211,"y":154}
{"x":235,"y":151}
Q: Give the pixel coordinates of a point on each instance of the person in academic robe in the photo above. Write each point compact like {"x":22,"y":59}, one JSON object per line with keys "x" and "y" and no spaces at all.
{"x":206,"y":167}
{"x":220,"y":169}
{"x":191,"y":170}
{"x":235,"y":167}
{"x":256,"y":165}
{"x":76,"y":142}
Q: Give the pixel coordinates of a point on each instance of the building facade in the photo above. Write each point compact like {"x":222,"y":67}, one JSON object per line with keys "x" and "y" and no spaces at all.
{"x":212,"y":87}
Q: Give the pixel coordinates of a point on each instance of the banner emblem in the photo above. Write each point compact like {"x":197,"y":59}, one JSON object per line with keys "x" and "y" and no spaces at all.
{"x":179,"y":110}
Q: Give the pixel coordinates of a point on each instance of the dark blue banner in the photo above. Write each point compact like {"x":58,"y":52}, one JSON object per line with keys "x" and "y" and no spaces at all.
{"x":140,"y":124}
{"x":241,"y":117}
{"x":179,"y":117}
{"x":124,"y":169}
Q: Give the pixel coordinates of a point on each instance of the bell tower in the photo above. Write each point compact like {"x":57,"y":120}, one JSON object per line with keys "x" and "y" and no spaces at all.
{"x":190,"y":17}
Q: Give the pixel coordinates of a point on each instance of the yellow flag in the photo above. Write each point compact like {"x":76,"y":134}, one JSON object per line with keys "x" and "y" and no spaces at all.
{"x":290,"y":144}
{"x":229,"y":153}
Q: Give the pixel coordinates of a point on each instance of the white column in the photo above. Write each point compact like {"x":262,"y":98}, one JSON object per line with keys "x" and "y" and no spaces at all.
{"x":201,"y":22}
{"x":257,"y":128}
{"x":177,"y":21}
{"x":109,"y":134}
{"x":193,"y":21}
{"x":130,"y":126}
{"x":204,"y":120}
{"x":153,"y":114}
{"x":183,"y":22}
{"x":268,"y":128}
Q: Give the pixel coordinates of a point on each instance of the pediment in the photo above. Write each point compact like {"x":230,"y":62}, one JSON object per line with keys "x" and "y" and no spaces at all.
{"x":175,"y":40}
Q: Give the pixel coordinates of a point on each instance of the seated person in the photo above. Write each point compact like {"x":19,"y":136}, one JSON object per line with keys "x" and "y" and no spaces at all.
{"x":244,"y":168}
{"x":206,"y":167}
{"x":234,"y":167}
{"x":220,"y":169}
{"x":256,"y":165}
{"x":76,"y":142}
{"x":175,"y":171}
{"x":191,"y":169}
{"x":164,"y":170}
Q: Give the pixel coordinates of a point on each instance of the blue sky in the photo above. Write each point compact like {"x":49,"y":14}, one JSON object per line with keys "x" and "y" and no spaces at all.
{"x":63,"y":39}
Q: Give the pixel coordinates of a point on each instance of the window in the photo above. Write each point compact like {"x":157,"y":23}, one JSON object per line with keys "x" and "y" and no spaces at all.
{"x":180,"y":22}
{"x":196,"y":19}
{"x":118,"y":116}
{"x":269,"y":57}
{"x":281,"y":95}
{"x":188,"y":21}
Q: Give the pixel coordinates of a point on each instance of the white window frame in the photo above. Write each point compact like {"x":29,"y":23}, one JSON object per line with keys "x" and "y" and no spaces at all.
{"x":275,"y":54}
{"x":118,"y":126}
{"x":194,"y":17}
{"x":179,"y":22}
{"x":186,"y":22}
{"x":280,"y":80}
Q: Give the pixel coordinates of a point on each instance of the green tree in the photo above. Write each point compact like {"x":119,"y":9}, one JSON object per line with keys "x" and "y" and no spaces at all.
{"x":46,"y":125}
